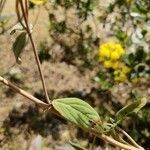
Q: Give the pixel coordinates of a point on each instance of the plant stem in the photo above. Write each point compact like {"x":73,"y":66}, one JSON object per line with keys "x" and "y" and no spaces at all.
{"x":93,"y":143}
{"x":27,"y":28}
{"x":40,"y":69}
{"x":129,"y":137}
{"x":52,"y":110}
{"x":24,"y":93}
{"x":116,"y":143}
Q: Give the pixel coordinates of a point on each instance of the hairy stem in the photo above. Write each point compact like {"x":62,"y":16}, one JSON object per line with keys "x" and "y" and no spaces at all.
{"x":52,"y":110}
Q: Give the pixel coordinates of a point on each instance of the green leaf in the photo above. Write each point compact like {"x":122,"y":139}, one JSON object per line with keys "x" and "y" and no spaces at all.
{"x":129,"y":59}
{"x":19,"y":45}
{"x":59,"y":27}
{"x":131,"y":108}
{"x":122,"y":36}
{"x":76,"y":146}
{"x":101,"y":79}
{"x":76,"y":111}
{"x":140,"y":55}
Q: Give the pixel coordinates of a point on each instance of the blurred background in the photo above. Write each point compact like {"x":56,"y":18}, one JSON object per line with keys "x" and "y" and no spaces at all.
{"x":68,"y":35}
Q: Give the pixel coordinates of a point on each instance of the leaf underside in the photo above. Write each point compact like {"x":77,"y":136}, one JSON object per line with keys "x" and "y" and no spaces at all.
{"x":76,"y":111}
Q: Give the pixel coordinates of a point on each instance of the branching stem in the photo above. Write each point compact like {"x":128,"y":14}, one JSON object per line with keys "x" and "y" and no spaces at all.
{"x":45,"y":106}
{"x":129,"y":137}
{"x":22,"y":11}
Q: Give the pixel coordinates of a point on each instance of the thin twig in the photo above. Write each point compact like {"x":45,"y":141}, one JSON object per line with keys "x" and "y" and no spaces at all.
{"x":19,"y":15}
{"x":27,"y":28}
{"x":24,"y":93}
{"x":129,"y":137}
{"x":118,"y":144}
{"x":26,"y":8}
{"x":52,"y":110}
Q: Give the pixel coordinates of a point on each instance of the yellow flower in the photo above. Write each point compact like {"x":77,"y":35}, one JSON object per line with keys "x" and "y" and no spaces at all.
{"x":119,"y":49}
{"x":111,"y":51}
{"x":123,"y":76}
{"x":126,"y":69}
{"x":104,"y":52}
{"x":115,"y":65}
{"x":38,"y":2}
{"x":121,"y":73}
{"x":110,"y":55}
{"x":120,"y":77}
{"x":114,"y":56}
{"x":108,"y":64}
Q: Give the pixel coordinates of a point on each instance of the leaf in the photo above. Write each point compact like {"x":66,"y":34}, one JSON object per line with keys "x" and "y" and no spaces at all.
{"x":129,"y":59}
{"x":131,"y":108}
{"x":17,"y":27}
{"x":76,"y":110}
{"x":140,"y":55}
{"x":77,"y":146}
{"x":38,"y":2}
{"x":122,"y":36}
{"x":19,"y":45}
{"x":103,"y":83}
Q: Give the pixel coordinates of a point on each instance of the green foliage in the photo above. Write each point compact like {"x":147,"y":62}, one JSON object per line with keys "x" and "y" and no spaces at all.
{"x":131,"y":108}
{"x":19,"y":45}
{"x":104,"y":80}
{"x":122,"y":36}
{"x":110,"y":126}
{"x":59,"y":27}
{"x":83,"y":115}
{"x":142,"y":6}
{"x":139,"y":62}
{"x":76,"y":111}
